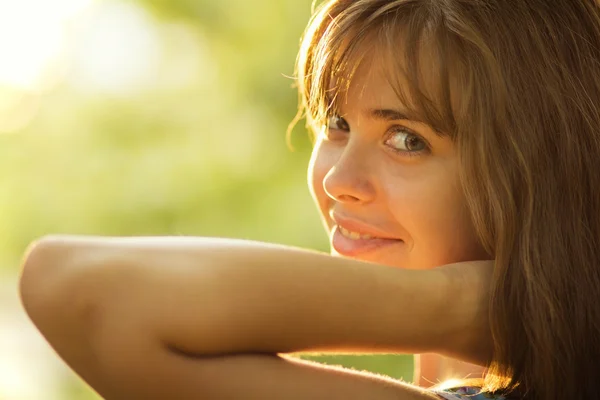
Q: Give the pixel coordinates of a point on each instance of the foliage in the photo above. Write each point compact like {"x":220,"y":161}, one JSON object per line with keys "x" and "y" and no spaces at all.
{"x":205,"y":158}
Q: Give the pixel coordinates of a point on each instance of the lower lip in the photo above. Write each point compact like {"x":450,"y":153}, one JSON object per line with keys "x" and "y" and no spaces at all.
{"x":351,"y":248}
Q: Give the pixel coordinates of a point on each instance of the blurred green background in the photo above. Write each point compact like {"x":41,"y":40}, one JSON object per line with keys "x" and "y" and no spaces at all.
{"x":147,"y":117}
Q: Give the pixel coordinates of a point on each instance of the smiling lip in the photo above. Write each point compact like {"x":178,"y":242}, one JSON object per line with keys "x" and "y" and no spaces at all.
{"x":346,"y":246}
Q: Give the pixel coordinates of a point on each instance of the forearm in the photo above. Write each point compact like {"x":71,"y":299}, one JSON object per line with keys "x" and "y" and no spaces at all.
{"x":120,"y":358}
{"x":207,"y":297}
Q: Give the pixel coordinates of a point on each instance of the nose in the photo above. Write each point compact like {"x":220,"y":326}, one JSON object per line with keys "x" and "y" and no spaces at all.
{"x":349,"y":181}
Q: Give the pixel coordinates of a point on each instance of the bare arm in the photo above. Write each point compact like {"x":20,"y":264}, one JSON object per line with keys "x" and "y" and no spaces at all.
{"x":158,"y":373}
{"x":213,"y":297}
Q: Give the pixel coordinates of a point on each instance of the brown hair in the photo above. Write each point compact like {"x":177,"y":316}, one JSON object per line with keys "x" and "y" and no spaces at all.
{"x":516,"y":85}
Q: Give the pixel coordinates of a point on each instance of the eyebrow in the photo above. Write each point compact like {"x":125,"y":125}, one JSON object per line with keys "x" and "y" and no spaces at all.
{"x":395,"y":115}
{"x":388,"y":115}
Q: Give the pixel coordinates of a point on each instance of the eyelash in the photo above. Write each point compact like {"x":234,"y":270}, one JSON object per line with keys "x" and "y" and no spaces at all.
{"x":388,"y":136}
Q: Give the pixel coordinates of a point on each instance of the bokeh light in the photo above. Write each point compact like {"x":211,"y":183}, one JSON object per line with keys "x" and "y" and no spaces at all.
{"x":145,"y":117}
{"x":33,"y":41}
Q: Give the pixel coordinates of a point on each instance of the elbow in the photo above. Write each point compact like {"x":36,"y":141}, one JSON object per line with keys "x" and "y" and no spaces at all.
{"x":41,"y":264}
{"x":52,"y":284}
{"x":65,"y":288}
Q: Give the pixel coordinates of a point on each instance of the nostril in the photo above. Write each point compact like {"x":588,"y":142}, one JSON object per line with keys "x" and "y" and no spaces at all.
{"x":349,"y":186}
{"x":347,"y":198}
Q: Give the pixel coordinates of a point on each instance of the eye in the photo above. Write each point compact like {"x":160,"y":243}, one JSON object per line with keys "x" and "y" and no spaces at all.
{"x":403,"y":140}
{"x":337,"y":122}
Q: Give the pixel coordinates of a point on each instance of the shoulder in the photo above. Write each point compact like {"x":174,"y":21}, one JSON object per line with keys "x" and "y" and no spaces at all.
{"x":466,"y":393}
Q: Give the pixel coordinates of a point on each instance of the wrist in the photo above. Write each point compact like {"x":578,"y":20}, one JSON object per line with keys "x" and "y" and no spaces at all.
{"x":464,"y":320}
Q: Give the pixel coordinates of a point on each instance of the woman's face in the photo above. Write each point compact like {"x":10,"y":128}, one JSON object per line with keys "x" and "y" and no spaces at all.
{"x":388,"y":188}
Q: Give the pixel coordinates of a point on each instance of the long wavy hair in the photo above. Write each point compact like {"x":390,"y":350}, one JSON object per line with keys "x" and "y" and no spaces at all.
{"x":516,"y":85}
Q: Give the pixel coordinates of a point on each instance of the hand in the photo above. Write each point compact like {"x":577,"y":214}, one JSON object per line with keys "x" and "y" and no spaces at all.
{"x":469,"y":286}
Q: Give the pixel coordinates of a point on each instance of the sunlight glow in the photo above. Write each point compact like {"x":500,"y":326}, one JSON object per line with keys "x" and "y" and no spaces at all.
{"x":118,"y":51}
{"x":32,"y":39}
{"x":33,"y":50}
{"x":17,"y":108}
{"x":449,"y":383}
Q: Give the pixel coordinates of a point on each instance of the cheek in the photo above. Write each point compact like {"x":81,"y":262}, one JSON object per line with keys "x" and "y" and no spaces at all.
{"x":321,"y":162}
{"x":451,"y":234}
{"x":434,"y":215}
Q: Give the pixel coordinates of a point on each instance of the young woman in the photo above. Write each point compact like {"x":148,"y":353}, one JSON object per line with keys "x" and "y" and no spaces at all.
{"x":446,"y":132}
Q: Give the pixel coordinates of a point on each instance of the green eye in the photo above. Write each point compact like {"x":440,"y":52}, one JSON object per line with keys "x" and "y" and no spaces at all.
{"x":402,"y":140}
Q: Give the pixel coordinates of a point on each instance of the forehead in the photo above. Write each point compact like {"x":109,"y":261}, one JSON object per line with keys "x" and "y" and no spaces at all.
{"x":396,"y":64}
{"x":381,"y":80}
{"x":370,"y":87}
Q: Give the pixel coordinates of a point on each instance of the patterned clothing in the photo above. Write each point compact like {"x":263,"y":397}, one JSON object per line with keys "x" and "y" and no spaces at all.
{"x":465,"y":393}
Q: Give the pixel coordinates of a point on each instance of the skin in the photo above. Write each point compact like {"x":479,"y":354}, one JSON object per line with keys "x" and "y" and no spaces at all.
{"x":393,"y":178}
{"x":183,"y":318}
